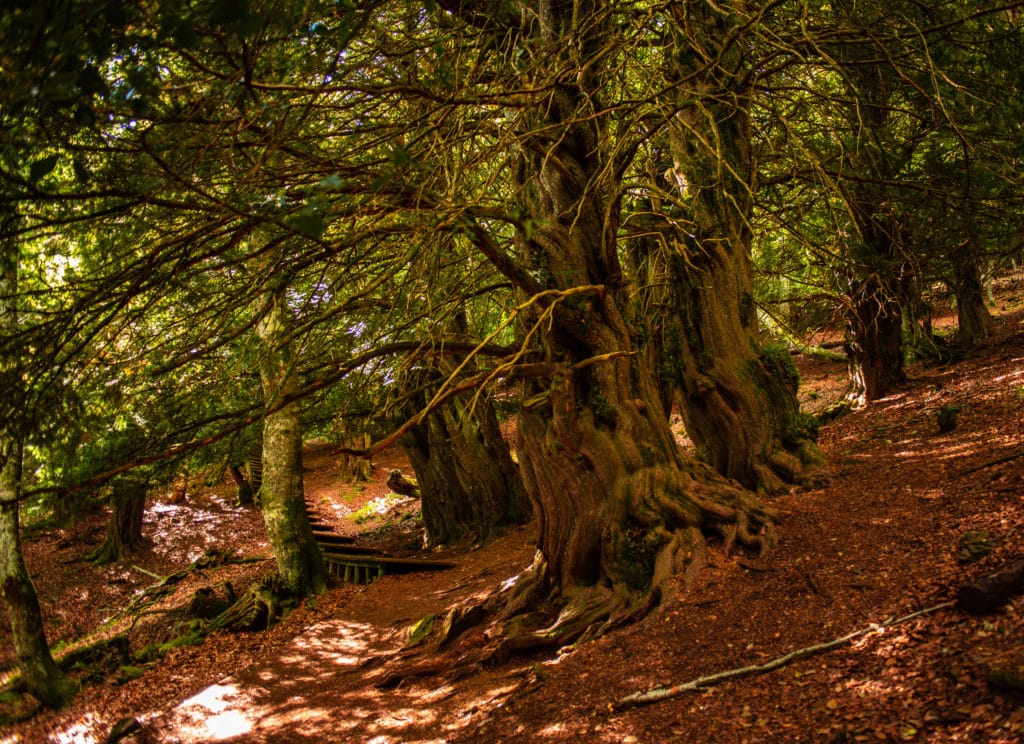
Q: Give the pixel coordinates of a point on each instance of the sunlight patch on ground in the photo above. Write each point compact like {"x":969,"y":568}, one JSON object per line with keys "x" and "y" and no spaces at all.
{"x":475,"y":711}
{"x":219,"y":712}
{"x":82,"y":732}
{"x":400,"y":718}
{"x":343,"y":643}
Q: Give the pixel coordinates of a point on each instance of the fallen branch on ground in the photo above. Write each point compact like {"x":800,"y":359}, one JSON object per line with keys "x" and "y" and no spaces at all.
{"x":658,"y":694}
{"x":990,"y":463}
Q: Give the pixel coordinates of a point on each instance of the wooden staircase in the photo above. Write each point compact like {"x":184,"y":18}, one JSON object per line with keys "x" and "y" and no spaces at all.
{"x":360,"y":564}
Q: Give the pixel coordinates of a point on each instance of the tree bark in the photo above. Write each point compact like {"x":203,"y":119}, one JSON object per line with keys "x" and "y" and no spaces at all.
{"x":973,"y":318}
{"x":469,"y":484}
{"x":736,"y":393}
{"x":42,"y":676}
{"x":281,"y":496}
{"x":124,"y":531}
{"x":874,"y":338}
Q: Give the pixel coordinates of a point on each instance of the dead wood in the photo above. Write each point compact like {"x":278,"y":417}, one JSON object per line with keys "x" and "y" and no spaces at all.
{"x":262,"y":605}
{"x":658,"y":694}
{"x":992,"y":591}
{"x":996,"y":461}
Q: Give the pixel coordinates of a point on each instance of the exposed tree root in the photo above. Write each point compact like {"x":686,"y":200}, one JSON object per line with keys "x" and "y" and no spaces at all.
{"x":528,"y":615}
{"x":262,"y":605}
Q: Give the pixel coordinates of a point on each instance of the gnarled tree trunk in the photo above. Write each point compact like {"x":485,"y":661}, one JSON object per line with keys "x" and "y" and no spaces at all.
{"x":281,"y":496}
{"x":736,"y":393}
{"x":469,"y":484}
{"x":620,"y":510}
{"x":874,"y":338}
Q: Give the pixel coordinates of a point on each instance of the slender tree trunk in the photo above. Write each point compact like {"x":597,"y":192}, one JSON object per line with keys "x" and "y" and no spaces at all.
{"x":736,"y":393}
{"x":281,"y":497}
{"x":124,"y":531}
{"x":43,"y":677}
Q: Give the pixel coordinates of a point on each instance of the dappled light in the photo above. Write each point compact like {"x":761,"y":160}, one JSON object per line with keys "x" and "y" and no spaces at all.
{"x":877,"y":543}
{"x":511,"y":372}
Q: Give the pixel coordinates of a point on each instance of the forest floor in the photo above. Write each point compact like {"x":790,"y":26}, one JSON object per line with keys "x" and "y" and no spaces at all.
{"x":891,"y":535}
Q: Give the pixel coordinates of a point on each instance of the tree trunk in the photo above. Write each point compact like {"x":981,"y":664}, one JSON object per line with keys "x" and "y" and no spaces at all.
{"x":736,"y":393}
{"x":620,"y":511}
{"x":878,"y":267}
{"x":918,"y":339}
{"x":41,"y":674}
{"x":469,"y":484}
{"x":281,"y":496}
{"x":244,"y":495}
{"x":874,"y":340}
{"x":973,"y":318}
{"x":124,"y":531}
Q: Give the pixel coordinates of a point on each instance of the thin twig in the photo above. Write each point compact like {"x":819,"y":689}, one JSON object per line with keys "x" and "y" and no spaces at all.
{"x":997,"y":461}
{"x":658,"y":694}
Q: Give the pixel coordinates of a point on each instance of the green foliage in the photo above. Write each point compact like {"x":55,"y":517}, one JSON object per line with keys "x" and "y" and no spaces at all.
{"x":804,"y":427}
{"x":126,"y":673}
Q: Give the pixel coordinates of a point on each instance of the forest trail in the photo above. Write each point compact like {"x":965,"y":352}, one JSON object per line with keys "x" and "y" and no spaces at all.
{"x":886,"y":538}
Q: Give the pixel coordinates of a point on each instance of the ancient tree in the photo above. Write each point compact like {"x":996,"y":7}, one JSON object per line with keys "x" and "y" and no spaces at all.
{"x":621,"y":510}
{"x":735,"y":390}
{"x":469,"y":484}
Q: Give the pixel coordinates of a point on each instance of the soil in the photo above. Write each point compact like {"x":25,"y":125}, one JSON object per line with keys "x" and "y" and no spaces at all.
{"x":891,"y":535}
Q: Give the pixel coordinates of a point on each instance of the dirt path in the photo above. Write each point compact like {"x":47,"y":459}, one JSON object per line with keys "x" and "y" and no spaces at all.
{"x":881,"y":541}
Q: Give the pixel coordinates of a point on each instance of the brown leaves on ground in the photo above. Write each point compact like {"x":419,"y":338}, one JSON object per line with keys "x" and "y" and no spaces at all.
{"x":886,"y":538}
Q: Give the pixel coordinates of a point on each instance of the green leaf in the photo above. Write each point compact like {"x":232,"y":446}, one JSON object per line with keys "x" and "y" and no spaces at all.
{"x":308,"y":222}
{"x":42,"y":167}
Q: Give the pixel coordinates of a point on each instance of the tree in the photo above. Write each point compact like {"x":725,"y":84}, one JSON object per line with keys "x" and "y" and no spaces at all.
{"x":736,"y":392}
{"x":43,"y":677}
{"x":469,"y":484}
{"x":282,"y":498}
{"x":620,"y":509}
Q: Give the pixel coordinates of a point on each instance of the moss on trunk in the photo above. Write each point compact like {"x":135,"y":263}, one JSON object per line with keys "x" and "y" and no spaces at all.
{"x":736,"y":393}
{"x":281,"y":496}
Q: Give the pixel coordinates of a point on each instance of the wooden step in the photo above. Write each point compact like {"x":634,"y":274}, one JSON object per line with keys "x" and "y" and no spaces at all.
{"x":349,"y":550}
{"x":360,"y":570}
{"x":330,"y":538}
{"x":322,"y":529}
